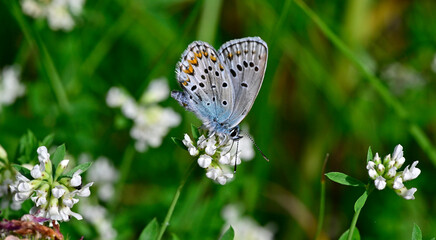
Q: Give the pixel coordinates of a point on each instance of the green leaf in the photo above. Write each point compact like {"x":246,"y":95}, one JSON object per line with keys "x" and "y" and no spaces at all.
{"x":58,"y":156}
{"x":356,"y":235}
{"x":83,"y":167}
{"x":48,"y":140}
{"x":174,"y":236}
{"x":229,"y":234}
{"x":151,"y":231}
{"x":195,"y":132}
{"x":369,"y":155}
{"x":344,"y":179}
{"x":416,"y":233}
{"x":179,"y":143}
{"x":24,"y":171}
{"x":360,"y":201}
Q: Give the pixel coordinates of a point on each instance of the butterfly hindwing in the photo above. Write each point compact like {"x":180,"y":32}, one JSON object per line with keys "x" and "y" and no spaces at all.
{"x":208,"y":91}
{"x":245,"y":60}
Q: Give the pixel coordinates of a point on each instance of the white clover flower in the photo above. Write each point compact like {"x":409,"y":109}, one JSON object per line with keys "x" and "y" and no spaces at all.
{"x":52,"y":192}
{"x":380,"y":183}
{"x":412,"y":173}
{"x":151,"y":122}
{"x":204,"y":160}
{"x":76,"y":180}
{"x":246,"y":228}
{"x":59,"y":13}
{"x":407,"y":194}
{"x":387,"y":174}
{"x":216,"y":156}
{"x":10,"y":86}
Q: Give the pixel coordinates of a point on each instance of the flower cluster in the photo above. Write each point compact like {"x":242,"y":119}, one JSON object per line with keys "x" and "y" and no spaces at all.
{"x":151,"y":121}
{"x":10,"y":86}
{"x":385,"y":173}
{"x":217,"y":157}
{"x":59,"y":13}
{"x":246,"y":228}
{"x":52,"y":190}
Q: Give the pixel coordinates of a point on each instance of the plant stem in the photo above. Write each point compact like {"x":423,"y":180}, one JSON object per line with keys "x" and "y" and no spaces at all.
{"x":376,"y":83}
{"x":322,"y":201}
{"x":166,"y":221}
{"x":357,"y":210}
{"x":46,"y":61}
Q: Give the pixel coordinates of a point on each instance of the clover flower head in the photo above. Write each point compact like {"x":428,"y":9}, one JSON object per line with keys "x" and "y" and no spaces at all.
{"x":52,"y":190}
{"x":217,"y":156}
{"x":386,"y":173}
{"x":60,"y":14}
{"x":151,"y":122}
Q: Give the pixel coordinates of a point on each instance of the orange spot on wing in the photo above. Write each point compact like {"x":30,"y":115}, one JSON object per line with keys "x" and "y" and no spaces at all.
{"x":198,"y":54}
{"x":193,"y":61}
{"x":189,"y":70}
{"x":185,"y":83}
{"x":213,"y":58}
{"x":205,"y":53}
{"x":238,"y":52}
{"x":230,"y":56}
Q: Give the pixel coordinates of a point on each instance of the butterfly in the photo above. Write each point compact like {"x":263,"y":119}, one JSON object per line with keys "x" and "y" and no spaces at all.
{"x":220,"y":87}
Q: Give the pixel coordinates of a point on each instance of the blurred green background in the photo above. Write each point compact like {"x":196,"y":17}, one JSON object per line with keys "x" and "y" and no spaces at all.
{"x":314,"y":100}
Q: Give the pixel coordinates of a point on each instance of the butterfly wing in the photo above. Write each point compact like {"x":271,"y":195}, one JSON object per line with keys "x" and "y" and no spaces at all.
{"x":207,"y":87}
{"x":246,"y":60}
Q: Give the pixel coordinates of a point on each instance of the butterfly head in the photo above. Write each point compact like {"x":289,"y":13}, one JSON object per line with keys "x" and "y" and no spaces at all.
{"x":234,"y":133}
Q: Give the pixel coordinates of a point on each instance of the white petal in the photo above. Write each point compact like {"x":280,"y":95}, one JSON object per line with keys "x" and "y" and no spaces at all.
{"x":213,"y":173}
{"x":370,"y":165}
{"x":398,"y":183}
{"x":204,"y":161}
{"x":36,"y":172}
{"x":412,"y":173}
{"x":76,"y":180}
{"x":193,"y":151}
{"x":380,"y":183}
{"x":377,"y":158}
{"x":58,"y":191}
{"x":221,"y":180}
{"x":372,"y":173}
{"x":408,"y":194}
{"x":392,"y":172}
{"x":85,"y":192}
{"x":398,"y":152}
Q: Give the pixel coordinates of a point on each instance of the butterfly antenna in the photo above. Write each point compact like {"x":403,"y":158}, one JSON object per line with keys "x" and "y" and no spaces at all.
{"x":258,"y":149}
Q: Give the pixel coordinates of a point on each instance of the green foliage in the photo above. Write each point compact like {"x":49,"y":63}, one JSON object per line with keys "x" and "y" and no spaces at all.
{"x":229,"y":234}
{"x":356,"y":235}
{"x":416,"y":233}
{"x":58,"y":156}
{"x":369,"y":156}
{"x":344,"y":179}
{"x":24,"y":171}
{"x":151,"y":231}
{"x":83,"y":167}
{"x":179,"y":143}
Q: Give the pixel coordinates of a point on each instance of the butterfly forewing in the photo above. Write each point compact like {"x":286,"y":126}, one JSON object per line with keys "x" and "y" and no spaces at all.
{"x":245,"y":60}
{"x":207,"y":86}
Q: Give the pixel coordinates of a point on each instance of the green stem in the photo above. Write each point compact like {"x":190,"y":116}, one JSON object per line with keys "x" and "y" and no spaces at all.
{"x":47,"y":63}
{"x":126,"y":164}
{"x":376,"y":83}
{"x":358,"y":207}
{"x":209,"y":20}
{"x":167,"y":219}
{"x":322,"y":201}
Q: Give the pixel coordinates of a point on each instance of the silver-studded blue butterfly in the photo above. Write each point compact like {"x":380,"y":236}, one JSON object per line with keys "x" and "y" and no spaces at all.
{"x":220,"y":87}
